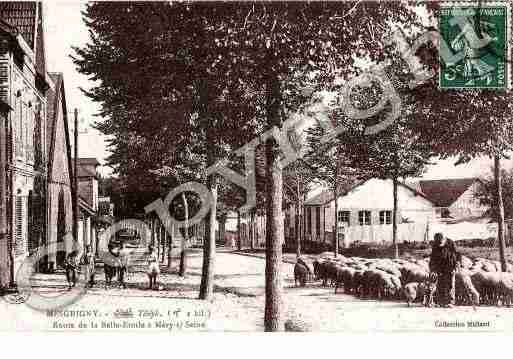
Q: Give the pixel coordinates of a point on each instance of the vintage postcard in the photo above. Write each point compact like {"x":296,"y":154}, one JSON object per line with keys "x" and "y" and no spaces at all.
{"x":256,"y":166}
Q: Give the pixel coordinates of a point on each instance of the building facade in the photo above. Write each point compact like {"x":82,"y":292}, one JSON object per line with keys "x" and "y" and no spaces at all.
{"x":88,"y":202}
{"x":455,"y":199}
{"x":23,"y":86}
{"x":59,"y":198}
{"x":365,"y":211}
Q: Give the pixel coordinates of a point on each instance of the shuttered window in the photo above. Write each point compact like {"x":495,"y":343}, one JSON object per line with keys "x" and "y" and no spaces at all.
{"x":29,"y":131}
{"x":4,"y":77}
{"x":19,"y":210}
{"x":34,"y":227}
{"x":18,"y":149}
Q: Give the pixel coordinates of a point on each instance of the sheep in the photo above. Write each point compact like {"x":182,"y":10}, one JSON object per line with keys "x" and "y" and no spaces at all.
{"x":300,"y":274}
{"x":308,"y":266}
{"x":339,"y":278}
{"x":466,"y":293}
{"x":487,"y":284}
{"x":318,"y":268}
{"x":506,"y":288}
{"x":466,"y":262}
{"x":358,"y":282}
{"x":476,"y":281}
{"x":345,"y":277}
{"x":410,"y":291}
{"x":331,"y":273}
{"x":396,"y":281}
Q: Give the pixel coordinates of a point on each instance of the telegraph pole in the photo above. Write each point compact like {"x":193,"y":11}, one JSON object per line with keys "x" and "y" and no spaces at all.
{"x":75,"y":179}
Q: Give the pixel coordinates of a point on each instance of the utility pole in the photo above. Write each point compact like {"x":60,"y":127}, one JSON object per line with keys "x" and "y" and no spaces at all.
{"x":75,"y":180}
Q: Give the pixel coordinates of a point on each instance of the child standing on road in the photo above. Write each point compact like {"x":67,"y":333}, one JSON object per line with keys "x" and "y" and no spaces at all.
{"x":153,"y":268}
{"x":123,"y":267}
{"x":88,"y":264}
{"x":71,"y":265}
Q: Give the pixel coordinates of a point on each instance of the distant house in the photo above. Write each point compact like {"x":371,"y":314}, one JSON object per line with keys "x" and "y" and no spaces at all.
{"x":60,"y":178}
{"x":105,"y":207}
{"x":365,"y":211}
{"x":88,"y":181}
{"x":88,"y":201}
{"x":453,"y":198}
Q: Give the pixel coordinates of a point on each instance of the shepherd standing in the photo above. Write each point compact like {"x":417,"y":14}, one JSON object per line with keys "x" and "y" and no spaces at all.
{"x":443,"y":262}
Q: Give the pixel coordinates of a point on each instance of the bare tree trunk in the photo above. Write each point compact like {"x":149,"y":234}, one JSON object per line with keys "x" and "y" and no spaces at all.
{"x":303,"y":219}
{"x":297,"y":231}
{"x":239,"y":239}
{"x":185,"y":239}
{"x":252,"y":229}
{"x":273,"y":318}
{"x":162,"y":232}
{"x":500,"y":212}
{"x":156,"y":229}
{"x":296,"y":223}
{"x":394,"y":219}
{"x":335,"y":230}
{"x":169,"y":248}
{"x":209,"y":246}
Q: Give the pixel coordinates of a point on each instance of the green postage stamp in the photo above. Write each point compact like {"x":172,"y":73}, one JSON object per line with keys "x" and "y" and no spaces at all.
{"x":476,"y":36}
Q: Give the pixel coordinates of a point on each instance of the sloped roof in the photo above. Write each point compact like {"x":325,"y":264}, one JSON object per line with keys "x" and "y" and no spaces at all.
{"x":90,"y":161}
{"x":26,"y":17}
{"x":21,"y":15}
{"x":51,"y":104}
{"x":326,"y":197}
{"x":85,"y":171}
{"x":321,"y":199}
{"x":443,"y":193}
{"x":54,"y":98}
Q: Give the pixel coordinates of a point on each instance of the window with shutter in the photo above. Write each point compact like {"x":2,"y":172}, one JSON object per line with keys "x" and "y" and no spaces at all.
{"x":29,"y":133}
{"x":4,"y":78}
{"x":18,"y":226}
{"x":32,"y":224}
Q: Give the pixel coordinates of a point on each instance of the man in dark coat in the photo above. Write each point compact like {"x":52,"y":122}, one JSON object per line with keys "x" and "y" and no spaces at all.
{"x":443,"y":262}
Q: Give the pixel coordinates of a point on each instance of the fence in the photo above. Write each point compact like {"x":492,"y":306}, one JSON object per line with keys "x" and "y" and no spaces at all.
{"x":382,"y":234}
{"x":419,"y":232}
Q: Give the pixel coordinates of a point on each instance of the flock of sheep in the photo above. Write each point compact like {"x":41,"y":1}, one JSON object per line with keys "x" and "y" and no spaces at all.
{"x":478,"y":281}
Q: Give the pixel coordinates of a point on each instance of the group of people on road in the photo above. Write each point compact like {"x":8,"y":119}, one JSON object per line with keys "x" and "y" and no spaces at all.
{"x":72,"y":264}
{"x":443,"y":264}
{"x":117,"y":264}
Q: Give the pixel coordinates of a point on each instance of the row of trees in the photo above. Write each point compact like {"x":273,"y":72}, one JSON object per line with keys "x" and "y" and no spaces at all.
{"x":182,"y":85}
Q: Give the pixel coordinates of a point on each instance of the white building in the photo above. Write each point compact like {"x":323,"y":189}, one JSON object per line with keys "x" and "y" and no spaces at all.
{"x":365,"y":211}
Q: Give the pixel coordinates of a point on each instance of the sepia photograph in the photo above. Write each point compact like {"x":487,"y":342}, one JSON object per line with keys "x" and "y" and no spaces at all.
{"x":256,"y":166}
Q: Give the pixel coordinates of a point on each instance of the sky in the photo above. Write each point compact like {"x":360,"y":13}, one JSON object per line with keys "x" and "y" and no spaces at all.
{"x":64,"y":28}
